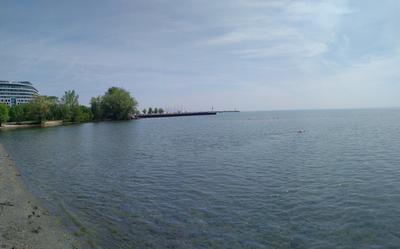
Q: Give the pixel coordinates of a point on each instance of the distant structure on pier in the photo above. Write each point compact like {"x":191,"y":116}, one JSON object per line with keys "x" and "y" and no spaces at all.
{"x":16,"y":92}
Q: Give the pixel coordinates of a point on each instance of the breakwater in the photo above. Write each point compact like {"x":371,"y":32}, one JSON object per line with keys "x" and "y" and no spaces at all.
{"x":178,"y":114}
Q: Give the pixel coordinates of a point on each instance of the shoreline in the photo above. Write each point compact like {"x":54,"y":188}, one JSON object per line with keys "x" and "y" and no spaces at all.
{"x":24,"y":223}
{"x":31,"y":124}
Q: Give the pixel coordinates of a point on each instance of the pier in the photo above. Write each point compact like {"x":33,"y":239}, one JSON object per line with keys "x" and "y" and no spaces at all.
{"x":177,"y":114}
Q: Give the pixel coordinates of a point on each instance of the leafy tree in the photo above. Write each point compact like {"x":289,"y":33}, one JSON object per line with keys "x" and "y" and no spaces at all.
{"x":160,"y":110}
{"x":144,"y":111}
{"x":117,"y":104}
{"x":70,"y":98}
{"x":70,"y":106}
{"x":76,"y":114}
{"x":53,"y":99}
{"x":56,"y":111}
{"x":85,"y":114}
{"x":150,"y":111}
{"x":27,"y":111}
{"x":3,"y":113}
{"x":156,"y":110}
{"x":17,"y":113}
{"x":95,"y":106}
{"x":40,"y":108}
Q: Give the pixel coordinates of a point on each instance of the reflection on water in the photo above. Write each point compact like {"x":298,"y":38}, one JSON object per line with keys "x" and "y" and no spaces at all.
{"x":235,"y":180}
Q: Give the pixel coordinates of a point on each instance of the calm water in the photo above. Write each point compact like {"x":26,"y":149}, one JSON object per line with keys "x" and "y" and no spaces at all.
{"x":238,"y":180}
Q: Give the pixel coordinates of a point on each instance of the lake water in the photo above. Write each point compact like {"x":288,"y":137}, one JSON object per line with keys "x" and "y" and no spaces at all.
{"x":235,"y":180}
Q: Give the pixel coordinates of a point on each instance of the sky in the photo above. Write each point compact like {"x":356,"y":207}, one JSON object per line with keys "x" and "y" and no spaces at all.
{"x":199,"y":54}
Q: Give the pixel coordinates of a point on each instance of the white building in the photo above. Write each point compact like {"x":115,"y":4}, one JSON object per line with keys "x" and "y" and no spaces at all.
{"x":16,"y":92}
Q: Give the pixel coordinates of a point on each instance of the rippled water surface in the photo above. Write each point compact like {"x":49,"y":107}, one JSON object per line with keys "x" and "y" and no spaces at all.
{"x":235,"y":180}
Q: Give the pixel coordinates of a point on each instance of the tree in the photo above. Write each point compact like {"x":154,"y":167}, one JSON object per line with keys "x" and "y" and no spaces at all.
{"x":27,"y":111}
{"x":3,"y":113}
{"x":150,"y":111}
{"x":117,"y":104}
{"x":40,"y":108}
{"x":160,"y":110}
{"x":70,"y":106}
{"x":156,"y":110}
{"x":85,"y":114}
{"x":95,"y":106}
{"x":56,"y":111}
{"x":17,"y":113}
{"x":70,"y":98}
{"x":144,"y":111}
{"x":76,"y":114}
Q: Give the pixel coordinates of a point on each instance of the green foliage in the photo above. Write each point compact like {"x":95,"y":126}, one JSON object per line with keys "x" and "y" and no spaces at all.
{"x":156,"y":110}
{"x":17,"y":113}
{"x":70,"y":106}
{"x":160,"y":110}
{"x":27,"y":112}
{"x":70,"y":98}
{"x":85,"y":114}
{"x":117,"y":104}
{"x":95,"y":106}
{"x":150,"y":110}
{"x":144,"y":111}
{"x":3,"y":113}
{"x":55,"y":110}
{"x":40,"y":108}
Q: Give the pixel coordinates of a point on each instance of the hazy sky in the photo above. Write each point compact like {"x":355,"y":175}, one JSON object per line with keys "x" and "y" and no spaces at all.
{"x":194,"y":54}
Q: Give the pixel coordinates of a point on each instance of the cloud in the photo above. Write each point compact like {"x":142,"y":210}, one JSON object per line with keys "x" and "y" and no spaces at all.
{"x":250,"y":54}
{"x":292,"y":29}
{"x":255,"y":33}
{"x":307,"y":50}
{"x":373,"y":82}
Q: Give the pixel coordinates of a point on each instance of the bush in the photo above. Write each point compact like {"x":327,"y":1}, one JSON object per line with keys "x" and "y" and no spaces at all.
{"x":17,"y":113}
{"x":3,"y":113}
{"x":117,"y":104}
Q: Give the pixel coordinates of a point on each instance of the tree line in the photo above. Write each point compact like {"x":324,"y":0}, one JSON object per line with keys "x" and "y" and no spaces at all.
{"x":153,"y":111}
{"x":115,"y":104}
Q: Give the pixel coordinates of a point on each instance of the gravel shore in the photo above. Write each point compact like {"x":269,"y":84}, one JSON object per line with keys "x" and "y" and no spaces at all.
{"x":24,"y":223}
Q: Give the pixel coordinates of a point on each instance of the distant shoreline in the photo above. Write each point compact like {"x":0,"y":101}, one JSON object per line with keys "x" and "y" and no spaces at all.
{"x":52,"y":123}
{"x":24,"y":223}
